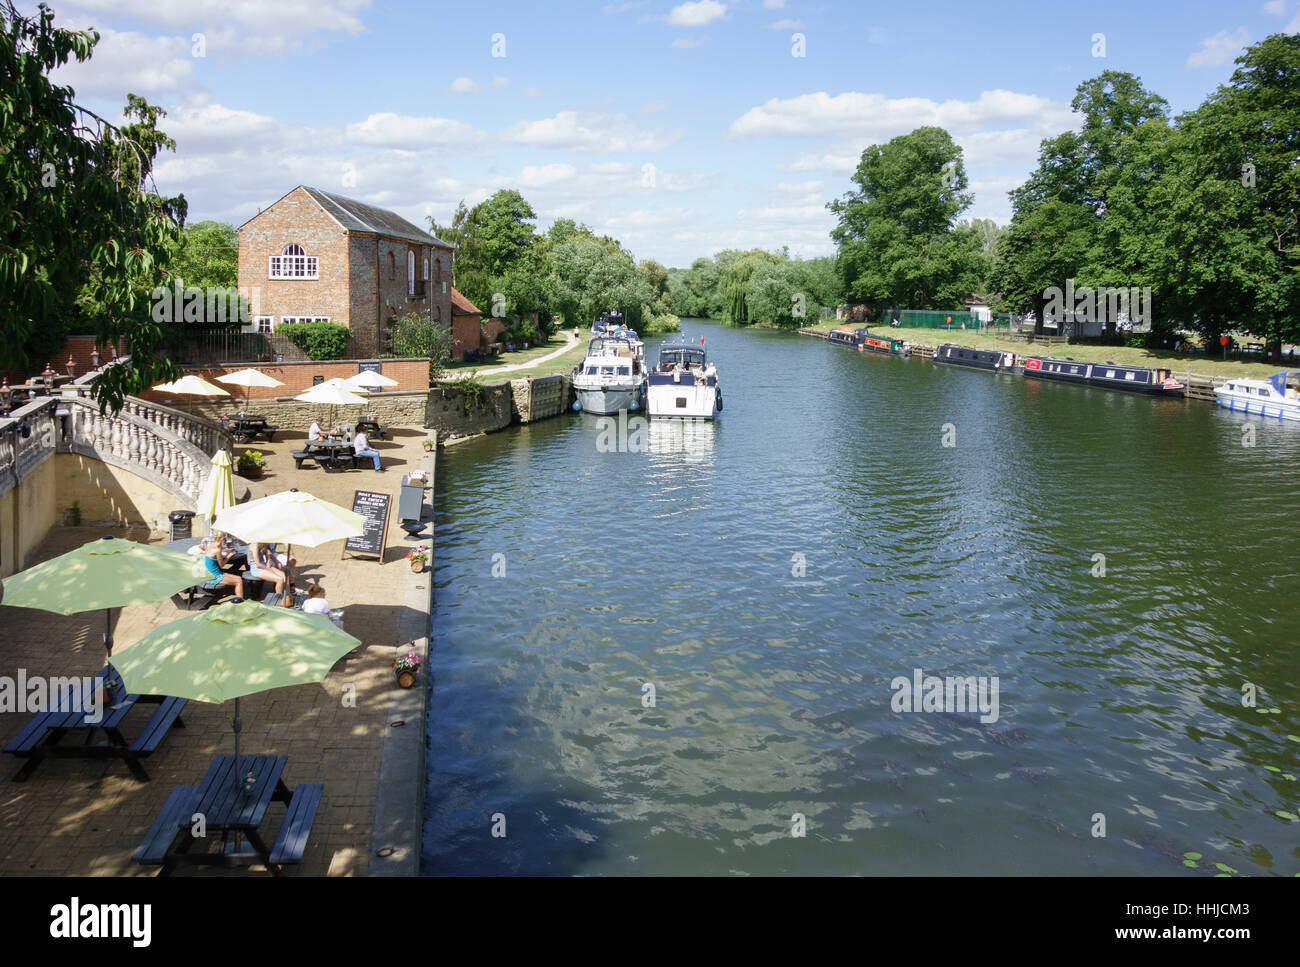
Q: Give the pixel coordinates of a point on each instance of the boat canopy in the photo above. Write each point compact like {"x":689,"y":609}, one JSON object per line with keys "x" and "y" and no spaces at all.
{"x":686,"y":355}
{"x":1279,"y":380}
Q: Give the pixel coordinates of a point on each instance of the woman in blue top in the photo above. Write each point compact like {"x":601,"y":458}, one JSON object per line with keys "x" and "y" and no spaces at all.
{"x":215,"y":556}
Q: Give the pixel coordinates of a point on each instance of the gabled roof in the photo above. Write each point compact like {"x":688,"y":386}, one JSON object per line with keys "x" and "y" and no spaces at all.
{"x":461,"y":306}
{"x":357,"y":216}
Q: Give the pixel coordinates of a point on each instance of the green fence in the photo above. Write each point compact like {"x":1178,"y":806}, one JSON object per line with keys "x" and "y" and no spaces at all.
{"x":949,"y":319}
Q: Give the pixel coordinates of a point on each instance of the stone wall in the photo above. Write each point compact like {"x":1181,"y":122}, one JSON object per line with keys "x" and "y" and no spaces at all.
{"x":540,"y":397}
{"x":446,"y":412}
{"x":390,"y":409}
{"x":106,"y":494}
{"x":27,"y":513}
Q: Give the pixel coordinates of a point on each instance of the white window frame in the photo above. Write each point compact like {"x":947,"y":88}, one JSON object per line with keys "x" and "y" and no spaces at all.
{"x":285,"y":320}
{"x":410,"y":271}
{"x":426,"y":269}
{"x":259,"y":320}
{"x":293,"y":264}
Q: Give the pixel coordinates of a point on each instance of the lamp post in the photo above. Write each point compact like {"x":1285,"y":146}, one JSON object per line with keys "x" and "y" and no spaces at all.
{"x":6,"y":396}
{"x":72,"y":367}
{"x":48,"y":377}
{"x":94,"y":358}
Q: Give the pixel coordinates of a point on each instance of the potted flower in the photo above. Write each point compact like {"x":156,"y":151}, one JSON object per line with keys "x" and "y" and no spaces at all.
{"x":407,"y":667}
{"x":419,"y":557}
{"x":428,"y":446}
{"x":250,"y":464}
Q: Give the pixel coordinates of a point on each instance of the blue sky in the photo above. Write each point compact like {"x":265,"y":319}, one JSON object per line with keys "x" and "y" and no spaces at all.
{"x":679,"y":128}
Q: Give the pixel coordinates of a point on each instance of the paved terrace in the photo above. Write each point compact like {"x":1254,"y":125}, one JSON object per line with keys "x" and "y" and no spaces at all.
{"x":86,"y":817}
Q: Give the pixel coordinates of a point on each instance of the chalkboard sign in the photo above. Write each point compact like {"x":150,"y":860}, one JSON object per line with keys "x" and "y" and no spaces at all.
{"x":373,"y":508}
{"x":370,"y":366}
{"x":317,"y":380}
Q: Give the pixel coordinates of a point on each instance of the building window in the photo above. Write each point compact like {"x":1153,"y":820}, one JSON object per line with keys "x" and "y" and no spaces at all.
{"x":426,"y":268}
{"x":437,"y":270}
{"x":264,"y":324}
{"x":410,"y":272}
{"x":437,"y":313}
{"x":392,"y":265}
{"x":293,"y":263}
{"x":285,"y":320}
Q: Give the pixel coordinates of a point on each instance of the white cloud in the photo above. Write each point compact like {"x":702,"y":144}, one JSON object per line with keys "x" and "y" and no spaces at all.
{"x":401,"y":131}
{"x":1220,"y":49}
{"x":686,"y":43}
{"x":773,"y":4}
{"x":876,"y":116}
{"x":787,"y":25}
{"x":697,"y":13}
{"x":534,"y":176}
{"x":532,"y":92}
{"x":462,"y":85}
{"x":651,"y":108}
{"x":1275,"y":7}
{"x":500,"y":83}
{"x":588,"y":132}
{"x":128,"y":61}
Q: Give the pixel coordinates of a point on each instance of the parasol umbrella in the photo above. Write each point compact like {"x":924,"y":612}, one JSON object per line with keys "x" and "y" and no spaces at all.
{"x":233,"y":649}
{"x":219,"y":489}
{"x":108,"y":573}
{"x":292,"y":517}
{"x":335,"y":392}
{"x":191,"y":386}
{"x":248,"y":378}
{"x":368,"y":379}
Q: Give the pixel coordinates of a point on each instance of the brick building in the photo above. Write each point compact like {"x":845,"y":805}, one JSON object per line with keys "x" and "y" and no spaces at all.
{"x":318,"y":256}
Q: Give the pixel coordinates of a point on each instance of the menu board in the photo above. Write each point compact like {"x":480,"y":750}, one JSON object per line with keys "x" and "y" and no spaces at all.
{"x":373,"y":508}
{"x":370,"y":365}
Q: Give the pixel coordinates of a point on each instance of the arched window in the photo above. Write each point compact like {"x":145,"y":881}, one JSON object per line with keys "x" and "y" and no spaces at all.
{"x":292,"y":263}
{"x":392,"y":265}
{"x":437,"y":270}
{"x":410,"y":272}
{"x":426,"y":268}
{"x":437,"y":313}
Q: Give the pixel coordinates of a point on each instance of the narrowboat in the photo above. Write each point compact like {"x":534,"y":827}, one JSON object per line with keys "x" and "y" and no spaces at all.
{"x":993,"y":360}
{"x":846,"y":337}
{"x":879,"y":344}
{"x":1267,"y":397}
{"x":1133,"y":379}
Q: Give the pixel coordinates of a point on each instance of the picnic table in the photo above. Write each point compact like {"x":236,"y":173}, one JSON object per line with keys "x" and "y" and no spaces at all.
{"x":43,"y":735}
{"x":372,"y":428}
{"x":247,"y":428}
{"x":232,"y":801}
{"x":329,"y":452}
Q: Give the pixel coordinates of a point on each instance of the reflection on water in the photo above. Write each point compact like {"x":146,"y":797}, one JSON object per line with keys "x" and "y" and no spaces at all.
{"x":694,"y":641}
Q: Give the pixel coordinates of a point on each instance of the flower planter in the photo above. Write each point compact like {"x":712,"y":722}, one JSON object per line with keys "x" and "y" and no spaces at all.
{"x":249,"y":473}
{"x":417,"y":567}
{"x":405,"y":679}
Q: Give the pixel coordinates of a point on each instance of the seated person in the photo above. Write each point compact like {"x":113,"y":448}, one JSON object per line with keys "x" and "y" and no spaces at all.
{"x":316,"y":603}
{"x":361,"y":447}
{"x":215,"y":556}
{"x":287,"y":562}
{"x":314,"y":431}
{"x":262,"y":567}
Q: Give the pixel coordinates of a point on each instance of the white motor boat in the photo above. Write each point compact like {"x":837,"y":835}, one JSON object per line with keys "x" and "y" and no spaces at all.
{"x":612,"y":376}
{"x":684,"y":384}
{"x":1267,"y":397}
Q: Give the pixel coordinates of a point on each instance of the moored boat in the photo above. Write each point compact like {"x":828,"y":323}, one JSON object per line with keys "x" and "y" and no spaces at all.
{"x":1132,"y":379}
{"x":993,"y":360}
{"x":612,"y":377}
{"x":1267,"y":397}
{"x":684,"y":384}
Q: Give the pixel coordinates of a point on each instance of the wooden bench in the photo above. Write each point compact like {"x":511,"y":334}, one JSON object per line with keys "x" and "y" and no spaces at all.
{"x":212,"y":594}
{"x":292,"y":840}
{"x":146,"y":743}
{"x":299,"y":456}
{"x":158,"y":841}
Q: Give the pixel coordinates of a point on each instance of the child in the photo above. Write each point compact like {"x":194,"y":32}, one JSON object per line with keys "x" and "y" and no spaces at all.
{"x":316,"y":603}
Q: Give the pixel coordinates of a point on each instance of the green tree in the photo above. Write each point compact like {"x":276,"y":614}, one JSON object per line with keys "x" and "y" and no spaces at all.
{"x":208,"y":256}
{"x":416,"y":335}
{"x":896,"y":238}
{"x":81,"y":232}
{"x":487,"y":239}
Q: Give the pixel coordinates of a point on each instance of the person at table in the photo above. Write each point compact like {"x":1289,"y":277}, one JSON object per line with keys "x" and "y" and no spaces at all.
{"x":286,"y":562}
{"x":316,"y":603}
{"x":216,"y":556}
{"x":261,"y":567}
{"x":361,"y":447}
{"x":314,"y":432}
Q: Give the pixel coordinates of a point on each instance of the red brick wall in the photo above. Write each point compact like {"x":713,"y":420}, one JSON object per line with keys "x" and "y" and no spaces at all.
{"x":465,"y":330}
{"x":411,"y":374}
{"x":295,"y":218}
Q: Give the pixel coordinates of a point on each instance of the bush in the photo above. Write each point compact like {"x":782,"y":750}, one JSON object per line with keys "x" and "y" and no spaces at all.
{"x":416,"y":335}
{"x":523,"y":333}
{"x":319,"y":340}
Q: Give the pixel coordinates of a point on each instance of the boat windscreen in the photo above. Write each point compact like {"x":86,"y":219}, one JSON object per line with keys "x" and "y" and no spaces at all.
{"x":687,"y":355}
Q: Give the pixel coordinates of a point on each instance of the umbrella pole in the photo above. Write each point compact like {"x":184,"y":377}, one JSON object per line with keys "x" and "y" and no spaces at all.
{"x":239,"y":777}
{"x":108,"y":634}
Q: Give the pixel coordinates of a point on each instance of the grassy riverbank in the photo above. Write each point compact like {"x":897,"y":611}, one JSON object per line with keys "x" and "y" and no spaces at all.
{"x":1179,"y":363}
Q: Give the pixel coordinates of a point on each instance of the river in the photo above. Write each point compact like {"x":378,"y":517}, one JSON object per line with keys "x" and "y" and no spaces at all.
{"x":1124,"y":567}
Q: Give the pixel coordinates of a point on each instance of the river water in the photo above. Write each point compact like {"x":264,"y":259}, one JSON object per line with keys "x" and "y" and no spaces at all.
{"x":1123,"y":566}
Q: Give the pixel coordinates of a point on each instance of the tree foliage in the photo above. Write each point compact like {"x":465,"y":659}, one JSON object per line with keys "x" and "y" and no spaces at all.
{"x":82,"y":236}
{"x":417,"y":335}
{"x":319,"y":340}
